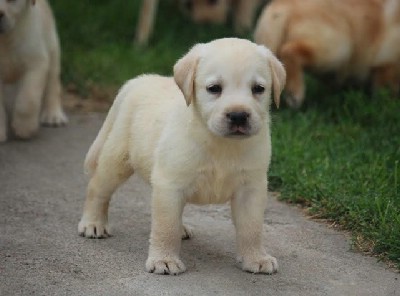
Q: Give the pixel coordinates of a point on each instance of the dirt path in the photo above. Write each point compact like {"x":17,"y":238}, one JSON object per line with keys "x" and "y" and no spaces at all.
{"x":41,"y":195}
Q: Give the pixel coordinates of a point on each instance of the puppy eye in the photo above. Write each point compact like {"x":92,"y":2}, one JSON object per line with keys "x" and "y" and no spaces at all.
{"x":257,"y":89}
{"x":212,"y":2}
{"x":214,"y":89}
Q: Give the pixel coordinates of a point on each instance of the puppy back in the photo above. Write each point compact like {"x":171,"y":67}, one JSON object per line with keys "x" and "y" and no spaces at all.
{"x":271,"y":26}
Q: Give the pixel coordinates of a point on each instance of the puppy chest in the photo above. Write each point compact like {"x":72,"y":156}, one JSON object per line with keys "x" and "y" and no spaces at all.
{"x":214,"y":186}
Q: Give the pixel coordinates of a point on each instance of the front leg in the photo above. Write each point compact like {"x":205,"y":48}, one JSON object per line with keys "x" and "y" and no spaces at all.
{"x":166,"y":232}
{"x":248,"y":207}
{"x":52,"y":111}
{"x":25,"y":122}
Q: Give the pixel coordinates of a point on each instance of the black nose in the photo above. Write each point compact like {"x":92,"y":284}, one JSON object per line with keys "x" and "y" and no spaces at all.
{"x":238,"y":118}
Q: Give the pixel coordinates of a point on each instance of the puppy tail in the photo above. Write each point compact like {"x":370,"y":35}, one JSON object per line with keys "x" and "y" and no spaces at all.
{"x":95,"y":149}
{"x":271,"y":27}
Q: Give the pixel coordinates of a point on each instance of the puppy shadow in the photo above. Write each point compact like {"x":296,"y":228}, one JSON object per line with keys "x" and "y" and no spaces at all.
{"x":208,"y":251}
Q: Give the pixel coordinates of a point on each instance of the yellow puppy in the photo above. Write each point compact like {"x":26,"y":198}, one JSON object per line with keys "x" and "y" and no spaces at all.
{"x":200,"y":137}
{"x":352,"y":38}
{"x":29,"y":67}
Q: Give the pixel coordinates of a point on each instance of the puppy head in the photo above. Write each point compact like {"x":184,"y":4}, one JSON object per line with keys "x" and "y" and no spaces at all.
{"x":206,"y":11}
{"x":11,"y":11}
{"x":230,"y":82}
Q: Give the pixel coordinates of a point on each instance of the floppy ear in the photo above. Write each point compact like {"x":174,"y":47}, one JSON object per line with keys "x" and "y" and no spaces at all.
{"x":185,"y":72}
{"x":278,"y":78}
{"x":278,"y":74}
{"x":33,"y":2}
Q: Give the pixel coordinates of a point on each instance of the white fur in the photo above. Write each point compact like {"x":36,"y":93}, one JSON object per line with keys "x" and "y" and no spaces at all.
{"x":187,"y":153}
{"x":29,"y":67}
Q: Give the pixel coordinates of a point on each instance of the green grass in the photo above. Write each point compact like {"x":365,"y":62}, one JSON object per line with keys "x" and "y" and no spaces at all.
{"x":97,"y":40}
{"x":338,"y":155}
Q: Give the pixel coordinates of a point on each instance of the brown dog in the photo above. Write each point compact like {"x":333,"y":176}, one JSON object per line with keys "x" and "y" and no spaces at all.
{"x":200,"y":11}
{"x":351,"y":38}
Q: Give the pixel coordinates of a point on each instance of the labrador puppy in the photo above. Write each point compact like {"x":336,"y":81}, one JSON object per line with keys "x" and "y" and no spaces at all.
{"x":350,"y":38}
{"x":29,"y":67}
{"x":201,"y":137}
{"x":200,"y":11}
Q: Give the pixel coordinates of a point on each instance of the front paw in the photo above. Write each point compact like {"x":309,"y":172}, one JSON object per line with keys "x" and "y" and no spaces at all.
{"x":25,"y":127}
{"x":53,"y":117}
{"x":93,"y":229}
{"x":165,"y":265}
{"x":260,"y":264}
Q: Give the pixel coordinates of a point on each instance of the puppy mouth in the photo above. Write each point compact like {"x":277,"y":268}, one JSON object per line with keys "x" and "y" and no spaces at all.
{"x":233,"y":125}
{"x":239,"y":131}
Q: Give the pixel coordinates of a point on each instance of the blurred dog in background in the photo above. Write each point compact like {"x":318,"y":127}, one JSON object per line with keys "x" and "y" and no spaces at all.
{"x":352,"y":38}
{"x":201,"y":11}
{"x":217,"y":11}
{"x":29,"y":67}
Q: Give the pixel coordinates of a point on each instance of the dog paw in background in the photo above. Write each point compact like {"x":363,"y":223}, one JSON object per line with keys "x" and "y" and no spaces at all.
{"x":53,"y":117}
{"x":200,"y":11}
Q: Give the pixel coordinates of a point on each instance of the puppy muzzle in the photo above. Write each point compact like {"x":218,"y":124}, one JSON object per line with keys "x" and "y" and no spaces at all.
{"x":238,"y":123}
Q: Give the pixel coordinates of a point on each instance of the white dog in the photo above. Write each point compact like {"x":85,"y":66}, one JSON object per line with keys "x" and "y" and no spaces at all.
{"x":215,"y":149}
{"x":29,"y":67}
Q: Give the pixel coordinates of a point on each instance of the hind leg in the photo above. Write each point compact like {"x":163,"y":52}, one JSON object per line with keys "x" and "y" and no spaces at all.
{"x":112,"y":170}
